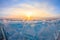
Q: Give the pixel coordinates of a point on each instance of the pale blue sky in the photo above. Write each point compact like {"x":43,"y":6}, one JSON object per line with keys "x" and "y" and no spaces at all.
{"x":53,"y":6}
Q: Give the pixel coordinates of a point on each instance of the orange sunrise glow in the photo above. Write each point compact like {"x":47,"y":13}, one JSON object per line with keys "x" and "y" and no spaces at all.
{"x":17,"y":12}
{"x":28,"y":11}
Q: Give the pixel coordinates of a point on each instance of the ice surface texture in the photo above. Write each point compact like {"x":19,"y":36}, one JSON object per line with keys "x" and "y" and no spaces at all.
{"x":31,"y":30}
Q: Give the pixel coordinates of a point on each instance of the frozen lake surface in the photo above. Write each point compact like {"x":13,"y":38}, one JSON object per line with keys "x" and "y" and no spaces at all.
{"x":30,"y":30}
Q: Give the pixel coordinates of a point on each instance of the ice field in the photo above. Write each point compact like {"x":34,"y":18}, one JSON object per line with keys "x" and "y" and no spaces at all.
{"x":30,"y":30}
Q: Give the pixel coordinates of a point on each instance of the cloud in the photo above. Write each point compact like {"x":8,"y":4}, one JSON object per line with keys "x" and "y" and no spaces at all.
{"x":42,"y":9}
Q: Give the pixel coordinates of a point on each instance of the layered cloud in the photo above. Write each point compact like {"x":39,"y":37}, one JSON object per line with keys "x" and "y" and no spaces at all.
{"x":38,"y":9}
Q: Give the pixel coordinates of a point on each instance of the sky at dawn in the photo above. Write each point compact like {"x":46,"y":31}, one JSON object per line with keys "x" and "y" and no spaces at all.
{"x":37,"y":8}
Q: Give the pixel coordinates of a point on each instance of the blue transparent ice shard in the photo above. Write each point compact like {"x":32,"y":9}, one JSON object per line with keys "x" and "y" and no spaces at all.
{"x":32,"y":30}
